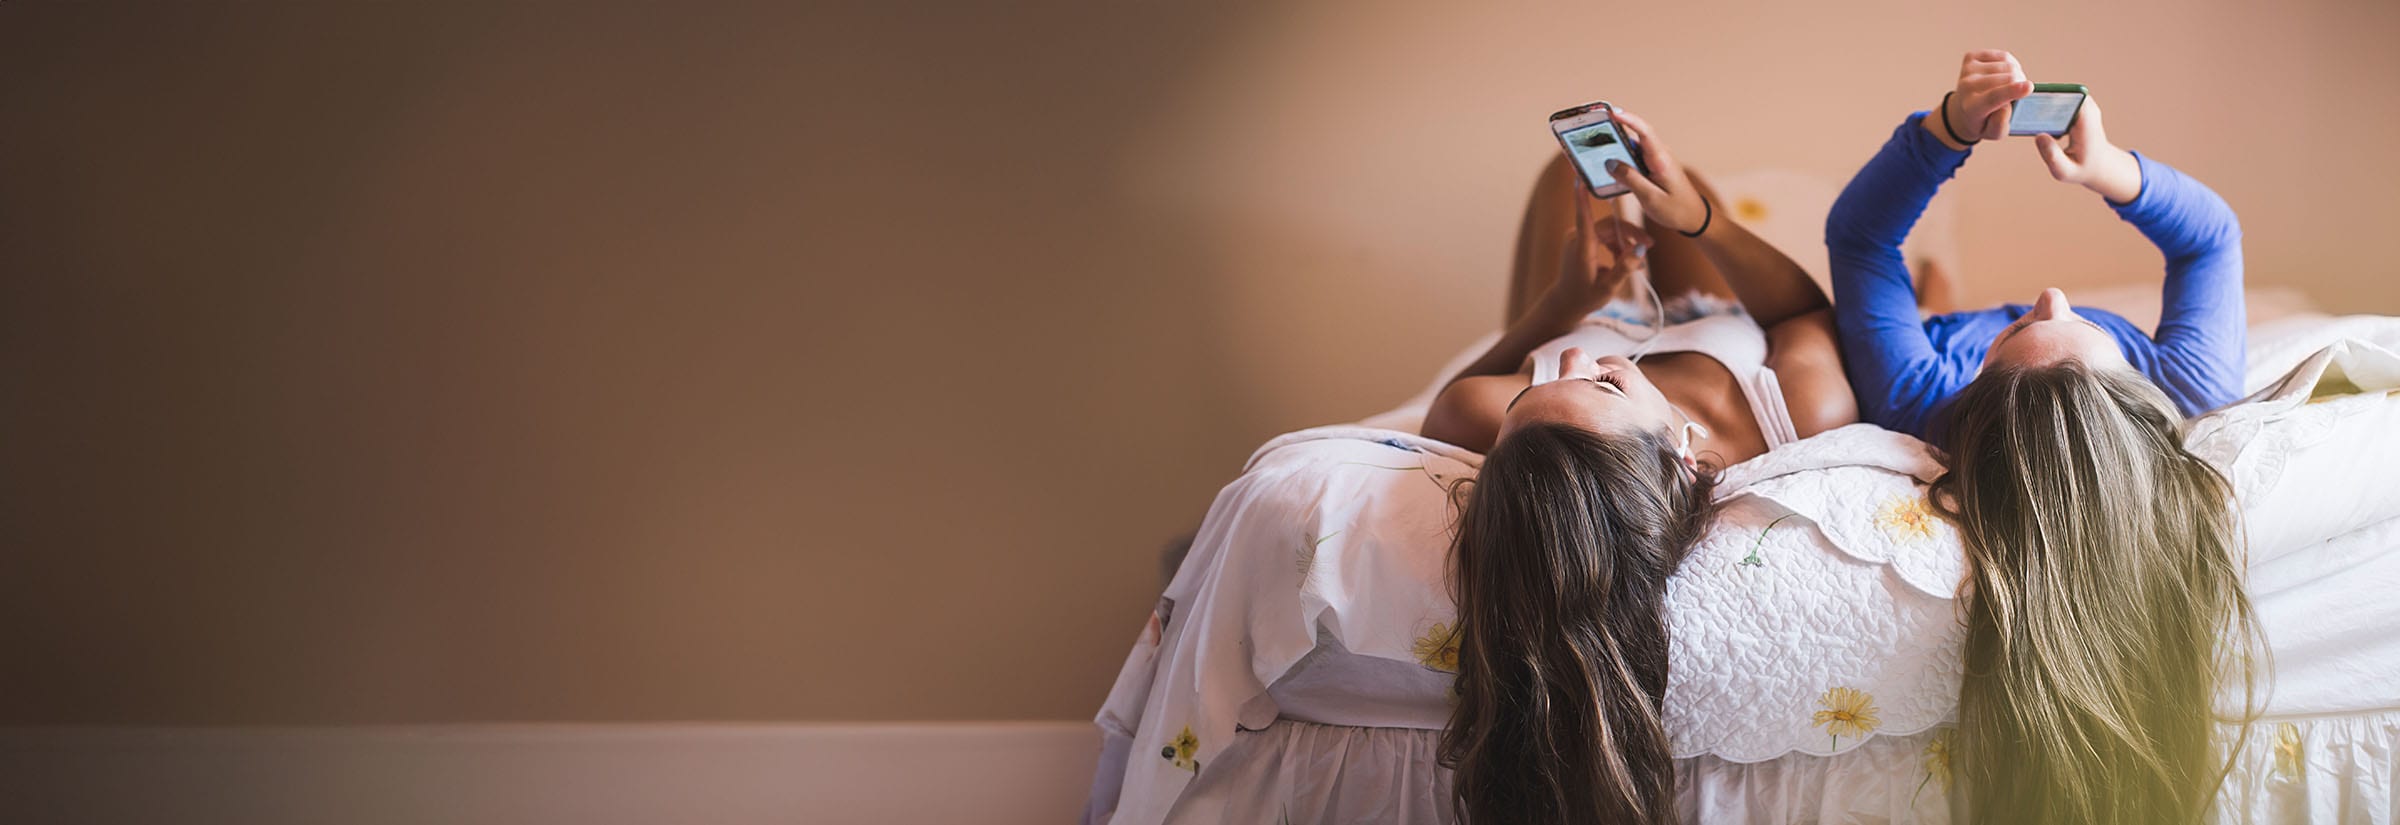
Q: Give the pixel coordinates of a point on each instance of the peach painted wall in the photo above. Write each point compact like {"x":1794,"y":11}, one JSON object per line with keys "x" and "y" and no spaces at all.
{"x":474,"y":362}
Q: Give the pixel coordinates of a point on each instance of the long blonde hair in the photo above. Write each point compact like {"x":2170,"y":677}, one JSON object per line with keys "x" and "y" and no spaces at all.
{"x":2106,"y":606}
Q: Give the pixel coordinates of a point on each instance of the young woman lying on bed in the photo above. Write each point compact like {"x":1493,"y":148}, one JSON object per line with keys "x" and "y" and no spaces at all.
{"x":1594,"y":483}
{"x":2103,"y":568}
{"x":2102,"y":549}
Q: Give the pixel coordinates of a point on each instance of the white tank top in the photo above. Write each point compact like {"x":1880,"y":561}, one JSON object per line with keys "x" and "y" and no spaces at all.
{"x":1732,"y":340}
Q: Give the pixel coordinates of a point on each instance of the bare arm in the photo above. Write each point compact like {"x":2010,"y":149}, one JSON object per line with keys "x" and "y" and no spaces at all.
{"x":1778,"y":294}
{"x":1772,"y":287}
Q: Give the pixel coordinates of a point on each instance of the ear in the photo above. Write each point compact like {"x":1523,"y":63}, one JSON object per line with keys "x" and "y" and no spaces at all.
{"x":1944,"y":500}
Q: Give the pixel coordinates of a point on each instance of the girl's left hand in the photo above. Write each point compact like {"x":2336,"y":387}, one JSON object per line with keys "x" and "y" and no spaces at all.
{"x":1667,"y":194}
{"x":1600,"y":254}
{"x":1990,"y":82}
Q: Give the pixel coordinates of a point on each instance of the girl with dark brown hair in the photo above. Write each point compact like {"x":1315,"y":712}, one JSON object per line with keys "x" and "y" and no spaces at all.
{"x":1602,"y":435}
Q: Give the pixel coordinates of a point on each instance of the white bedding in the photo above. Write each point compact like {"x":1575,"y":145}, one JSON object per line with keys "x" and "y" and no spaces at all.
{"x":2314,"y":458}
{"x":1825,"y":572}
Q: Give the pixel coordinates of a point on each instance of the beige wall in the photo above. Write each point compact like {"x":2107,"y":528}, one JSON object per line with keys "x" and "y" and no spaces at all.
{"x":385,"y":363}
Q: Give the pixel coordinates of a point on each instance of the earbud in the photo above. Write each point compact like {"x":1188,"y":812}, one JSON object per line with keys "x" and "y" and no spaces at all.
{"x":1684,"y":450}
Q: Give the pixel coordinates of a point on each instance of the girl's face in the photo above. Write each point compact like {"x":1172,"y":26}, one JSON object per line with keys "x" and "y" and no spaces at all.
{"x":2051,"y":332}
{"x":1603,"y":395}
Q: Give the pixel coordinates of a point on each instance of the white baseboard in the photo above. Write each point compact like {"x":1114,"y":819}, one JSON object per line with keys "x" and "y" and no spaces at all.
{"x":987,"y":773}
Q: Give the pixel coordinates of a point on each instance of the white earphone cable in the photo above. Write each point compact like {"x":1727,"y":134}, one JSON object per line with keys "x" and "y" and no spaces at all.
{"x":1658,"y":317}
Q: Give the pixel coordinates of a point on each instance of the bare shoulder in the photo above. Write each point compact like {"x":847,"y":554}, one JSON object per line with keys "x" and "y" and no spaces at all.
{"x":1808,"y":363}
{"x":1467,"y":413}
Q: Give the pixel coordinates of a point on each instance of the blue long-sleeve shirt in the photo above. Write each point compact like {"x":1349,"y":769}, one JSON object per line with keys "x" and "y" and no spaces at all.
{"x":1905,"y":369}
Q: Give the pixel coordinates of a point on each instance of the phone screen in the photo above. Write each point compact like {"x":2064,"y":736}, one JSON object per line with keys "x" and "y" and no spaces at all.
{"x":1593,"y":147}
{"x":2045,"y":113}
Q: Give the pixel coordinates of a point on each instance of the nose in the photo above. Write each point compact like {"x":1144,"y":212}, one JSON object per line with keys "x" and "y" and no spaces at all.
{"x":1576,"y":363}
{"x":2052,"y":304}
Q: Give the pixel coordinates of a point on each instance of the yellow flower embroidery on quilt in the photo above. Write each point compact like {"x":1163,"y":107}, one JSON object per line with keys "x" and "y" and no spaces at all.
{"x":1906,"y":518}
{"x":1937,"y":757}
{"x":1438,"y":648}
{"x":1183,"y":750}
{"x":1749,"y":209}
{"x":1847,"y":712}
{"x":1937,"y":763}
{"x":2288,"y":758}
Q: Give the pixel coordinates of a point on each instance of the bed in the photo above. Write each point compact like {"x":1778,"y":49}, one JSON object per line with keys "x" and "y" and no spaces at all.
{"x":1296,"y":667}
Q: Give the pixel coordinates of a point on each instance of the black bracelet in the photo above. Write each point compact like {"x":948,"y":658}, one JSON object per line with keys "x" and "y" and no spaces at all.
{"x":1954,"y":138}
{"x":1706,"y":218}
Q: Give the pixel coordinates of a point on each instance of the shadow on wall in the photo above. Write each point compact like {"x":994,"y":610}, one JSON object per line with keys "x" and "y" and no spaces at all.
{"x":528,"y":363}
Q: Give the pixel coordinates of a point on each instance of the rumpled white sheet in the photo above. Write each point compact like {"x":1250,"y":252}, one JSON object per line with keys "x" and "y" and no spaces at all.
{"x":2314,"y":459}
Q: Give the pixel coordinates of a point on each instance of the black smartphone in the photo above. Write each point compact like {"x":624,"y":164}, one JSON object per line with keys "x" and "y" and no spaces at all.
{"x":1592,"y":138}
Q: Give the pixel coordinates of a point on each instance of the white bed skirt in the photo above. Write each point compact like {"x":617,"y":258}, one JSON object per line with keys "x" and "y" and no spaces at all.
{"x":2322,"y":769}
{"x":2325,"y":769}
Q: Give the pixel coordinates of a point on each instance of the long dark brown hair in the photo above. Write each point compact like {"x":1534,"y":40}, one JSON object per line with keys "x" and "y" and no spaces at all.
{"x":1565,"y":542}
{"x":2104,"y":608}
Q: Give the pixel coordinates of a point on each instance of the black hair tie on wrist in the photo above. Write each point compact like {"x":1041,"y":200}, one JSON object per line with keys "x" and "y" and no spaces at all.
{"x":1954,"y":138}
{"x":1710,"y":216}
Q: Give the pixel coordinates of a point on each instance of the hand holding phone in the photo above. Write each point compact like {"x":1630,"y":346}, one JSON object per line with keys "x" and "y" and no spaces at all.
{"x":1591,"y":138}
{"x":1978,"y":109}
{"x":1668,"y":195}
{"x":2086,"y":158}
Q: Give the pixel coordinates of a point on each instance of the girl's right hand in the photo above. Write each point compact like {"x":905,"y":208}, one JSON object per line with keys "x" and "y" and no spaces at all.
{"x":2087,"y":159}
{"x":1667,"y":194}
{"x":1989,"y":80}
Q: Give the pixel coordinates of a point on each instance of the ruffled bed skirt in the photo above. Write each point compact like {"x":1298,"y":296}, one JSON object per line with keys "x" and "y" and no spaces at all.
{"x":2321,"y":769}
{"x":1301,"y":772}
{"x":1304,"y":772}
{"x":2326,"y":769}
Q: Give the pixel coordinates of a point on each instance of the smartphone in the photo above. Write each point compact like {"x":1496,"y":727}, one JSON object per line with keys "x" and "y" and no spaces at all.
{"x":2050,"y":110}
{"x":1591,"y":137}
